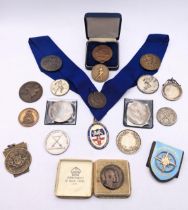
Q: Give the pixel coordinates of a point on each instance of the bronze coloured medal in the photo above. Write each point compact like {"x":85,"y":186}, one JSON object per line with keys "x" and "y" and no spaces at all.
{"x":30,"y":91}
{"x":150,"y":62}
{"x":28,"y":117}
{"x":51,"y":63}
{"x":17,"y":159}
{"x":102,"y":53}
{"x":97,"y":100}
{"x":112,"y":177}
{"x":100,"y":73}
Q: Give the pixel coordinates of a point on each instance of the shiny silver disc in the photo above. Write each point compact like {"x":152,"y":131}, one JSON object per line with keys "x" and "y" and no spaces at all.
{"x":60,"y":111}
{"x":138,"y":113}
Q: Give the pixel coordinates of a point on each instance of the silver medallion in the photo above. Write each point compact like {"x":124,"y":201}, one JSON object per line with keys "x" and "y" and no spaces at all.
{"x":138,"y":113}
{"x":98,"y":135}
{"x":60,"y":111}
{"x":57,"y":142}
{"x":59,"y":87}
{"x":166,"y":116}
{"x":147,"y":84}
{"x":172,"y":91}
{"x":128,"y":141}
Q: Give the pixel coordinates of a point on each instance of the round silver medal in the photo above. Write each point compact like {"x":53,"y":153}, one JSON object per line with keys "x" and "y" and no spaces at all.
{"x":166,"y":116}
{"x":98,"y":135}
{"x":59,"y":87}
{"x":57,"y":142}
{"x":138,"y":113}
{"x":172,"y":91}
{"x":148,"y":84}
{"x":60,"y":111}
{"x":128,"y":141}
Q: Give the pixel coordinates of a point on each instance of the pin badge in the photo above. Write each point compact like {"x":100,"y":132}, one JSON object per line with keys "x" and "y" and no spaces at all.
{"x":98,"y":135}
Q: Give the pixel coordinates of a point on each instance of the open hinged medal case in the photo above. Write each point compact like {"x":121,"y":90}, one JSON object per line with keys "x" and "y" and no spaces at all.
{"x":102,"y":29}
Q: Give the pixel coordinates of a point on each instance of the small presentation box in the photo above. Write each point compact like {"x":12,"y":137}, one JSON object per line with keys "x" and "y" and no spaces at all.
{"x":102,"y":32}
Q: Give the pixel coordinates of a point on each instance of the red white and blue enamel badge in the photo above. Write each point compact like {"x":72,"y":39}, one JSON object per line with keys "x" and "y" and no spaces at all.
{"x":98,"y":135}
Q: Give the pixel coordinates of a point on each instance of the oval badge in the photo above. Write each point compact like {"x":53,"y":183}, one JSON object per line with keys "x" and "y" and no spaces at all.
{"x":98,"y":135}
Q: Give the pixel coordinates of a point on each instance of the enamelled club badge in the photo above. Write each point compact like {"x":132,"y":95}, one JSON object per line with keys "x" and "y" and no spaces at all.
{"x":98,"y":135}
{"x":164,"y":161}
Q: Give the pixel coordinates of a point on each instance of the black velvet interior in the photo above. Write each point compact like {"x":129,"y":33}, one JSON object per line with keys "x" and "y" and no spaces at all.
{"x":112,"y":64}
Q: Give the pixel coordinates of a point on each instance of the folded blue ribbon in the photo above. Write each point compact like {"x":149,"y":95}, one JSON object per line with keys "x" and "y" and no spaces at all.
{"x":79,"y":82}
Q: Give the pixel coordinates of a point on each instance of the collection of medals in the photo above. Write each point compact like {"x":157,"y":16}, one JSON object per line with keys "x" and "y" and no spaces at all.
{"x":103,"y":178}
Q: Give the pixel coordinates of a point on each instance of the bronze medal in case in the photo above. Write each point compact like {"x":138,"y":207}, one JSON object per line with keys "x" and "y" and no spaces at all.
{"x":112,"y":178}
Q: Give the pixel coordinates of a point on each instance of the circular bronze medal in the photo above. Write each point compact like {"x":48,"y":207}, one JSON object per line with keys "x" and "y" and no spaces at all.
{"x":97,"y":100}
{"x":28,"y":117}
{"x":100,"y":73}
{"x":112,"y":177}
{"x":102,"y":53}
{"x":51,"y":63}
{"x":150,"y":62}
{"x":18,"y":161}
{"x":30,"y":91}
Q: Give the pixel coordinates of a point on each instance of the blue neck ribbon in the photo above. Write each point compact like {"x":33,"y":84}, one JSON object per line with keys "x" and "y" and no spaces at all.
{"x":79,"y":82}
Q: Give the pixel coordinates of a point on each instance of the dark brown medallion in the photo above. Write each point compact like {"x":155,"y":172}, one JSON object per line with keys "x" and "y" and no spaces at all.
{"x":150,"y":62}
{"x":30,"y":91}
{"x":112,"y":177}
{"x":51,"y":63}
{"x":102,"y":53}
{"x":97,"y":100}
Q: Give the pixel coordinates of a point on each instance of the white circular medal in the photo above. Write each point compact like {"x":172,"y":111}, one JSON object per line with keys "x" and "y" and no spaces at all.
{"x":128,"y":141}
{"x":98,"y":135}
{"x":148,"y":84}
{"x":59,"y":87}
{"x":60,"y":111}
{"x":57,"y":142}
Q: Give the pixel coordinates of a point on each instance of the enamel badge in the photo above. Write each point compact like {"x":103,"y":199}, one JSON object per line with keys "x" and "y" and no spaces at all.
{"x":164,"y":161}
{"x":98,"y":135}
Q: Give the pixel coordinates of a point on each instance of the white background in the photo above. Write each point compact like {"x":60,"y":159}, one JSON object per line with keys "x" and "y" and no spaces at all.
{"x":63,"y":21}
